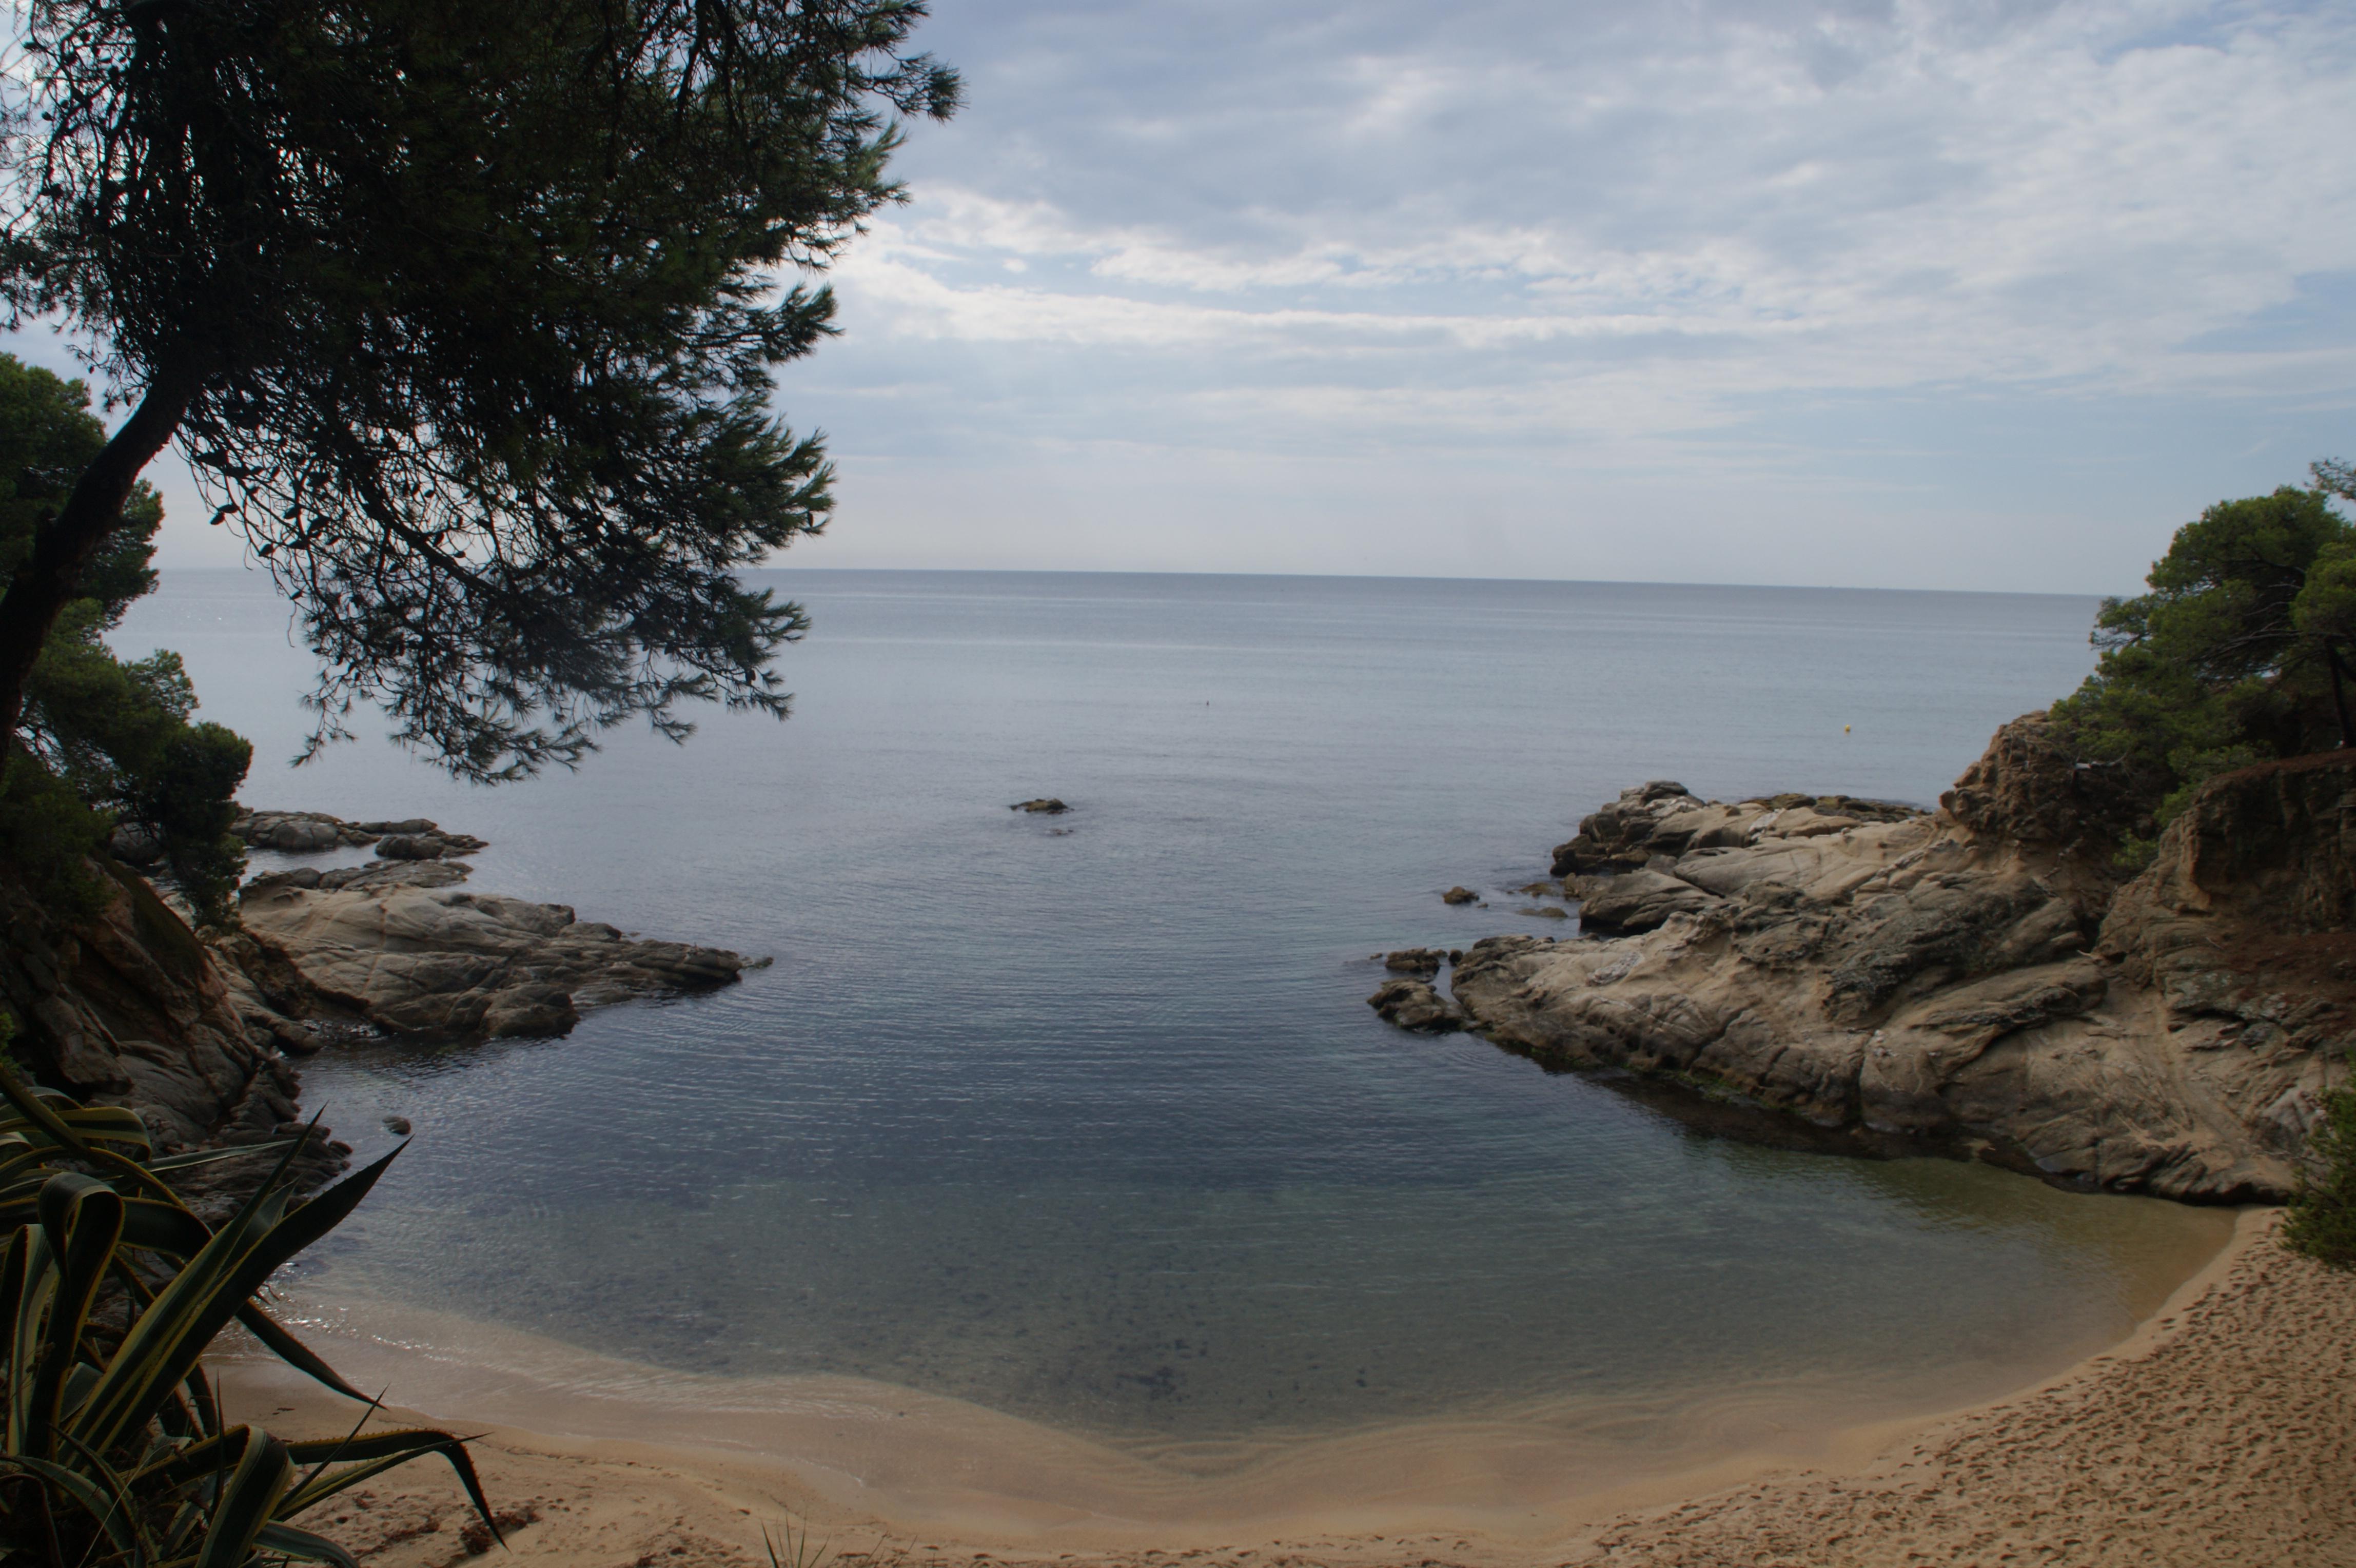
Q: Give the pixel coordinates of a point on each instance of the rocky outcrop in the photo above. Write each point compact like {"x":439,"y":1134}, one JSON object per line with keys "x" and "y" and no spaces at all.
{"x":1974,"y":981}
{"x":407,"y":951}
{"x":1639,"y":900}
{"x":313,"y":832}
{"x":1414,"y":1005}
{"x":1663,"y":820}
{"x":130,"y":1008}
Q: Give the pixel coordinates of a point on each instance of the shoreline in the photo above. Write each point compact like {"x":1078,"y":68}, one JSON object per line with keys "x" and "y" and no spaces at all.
{"x":706,"y":1502}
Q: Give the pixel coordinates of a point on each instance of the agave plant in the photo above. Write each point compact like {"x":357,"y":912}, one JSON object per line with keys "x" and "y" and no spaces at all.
{"x":114,"y":1453}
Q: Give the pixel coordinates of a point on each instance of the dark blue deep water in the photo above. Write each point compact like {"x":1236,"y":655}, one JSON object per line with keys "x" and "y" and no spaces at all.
{"x":1093,"y":1126}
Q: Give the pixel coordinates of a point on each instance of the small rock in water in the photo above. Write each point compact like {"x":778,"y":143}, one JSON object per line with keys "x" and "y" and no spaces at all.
{"x":1424,"y":962}
{"x":1412,"y":1004}
{"x":1459,"y":896}
{"x":1544,"y":912}
{"x":1043,"y":806}
{"x":397,"y":1125}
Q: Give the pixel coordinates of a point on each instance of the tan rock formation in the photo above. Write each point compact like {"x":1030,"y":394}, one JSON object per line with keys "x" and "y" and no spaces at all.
{"x":1969,"y":981}
{"x":130,"y":1008}
{"x":406,"y":949}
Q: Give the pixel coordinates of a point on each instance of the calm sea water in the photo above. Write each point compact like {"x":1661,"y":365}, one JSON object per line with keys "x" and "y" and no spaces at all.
{"x":1085,"y":1119}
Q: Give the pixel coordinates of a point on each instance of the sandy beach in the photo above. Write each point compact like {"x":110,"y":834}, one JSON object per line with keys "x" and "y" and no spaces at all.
{"x":2223,"y":1433}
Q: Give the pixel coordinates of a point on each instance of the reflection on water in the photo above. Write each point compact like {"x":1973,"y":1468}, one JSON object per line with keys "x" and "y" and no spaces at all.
{"x":1095,"y":1129}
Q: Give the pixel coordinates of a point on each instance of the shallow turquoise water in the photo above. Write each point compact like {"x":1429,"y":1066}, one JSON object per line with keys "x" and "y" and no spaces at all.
{"x":1093,"y":1126}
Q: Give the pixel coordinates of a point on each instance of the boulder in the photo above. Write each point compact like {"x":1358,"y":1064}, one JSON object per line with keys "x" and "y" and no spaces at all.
{"x":432,"y":844}
{"x":1459,"y":896}
{"x":411,"y":956}
{"x":1043,"y":806}
{"x":298,"y":832}
{"x":1414,"y":1005}
{"x":1423,"y":961}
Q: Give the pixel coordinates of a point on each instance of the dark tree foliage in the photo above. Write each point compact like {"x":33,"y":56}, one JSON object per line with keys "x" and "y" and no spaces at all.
{"x":464,"y":316}
{"x":102,"y":743}
{"x":2240,"y":653}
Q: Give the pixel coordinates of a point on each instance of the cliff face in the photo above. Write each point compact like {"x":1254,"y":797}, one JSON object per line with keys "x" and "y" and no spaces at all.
{"x":1976,"y":980}
{"x":132,"y":1009}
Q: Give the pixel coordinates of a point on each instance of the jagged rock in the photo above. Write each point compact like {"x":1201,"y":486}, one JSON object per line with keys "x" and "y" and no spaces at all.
{"x":389,"y":873}
{"x":1638,"y":901}
{"x":1459,"y":896}
{"x":1938,"y":979}
{"x":429,"y":844}
{"x":1414,"y":1005}
{"x":310,"y":832}
{"x":1043,"y":806}
{"x":1422,"y":961}
{"x":129,"y":1008}
{"x":1661,"y":819}
{"x":441,"y":961}
{"x":299,"y":832}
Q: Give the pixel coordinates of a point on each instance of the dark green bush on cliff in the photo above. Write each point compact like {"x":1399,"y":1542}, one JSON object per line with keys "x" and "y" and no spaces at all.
{"x":105,"y":743}
{"x":2244,"y":649}
{"x":2322,"y":1218}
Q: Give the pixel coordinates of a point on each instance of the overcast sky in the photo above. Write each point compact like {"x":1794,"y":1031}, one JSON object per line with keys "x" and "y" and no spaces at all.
{"x":1976,"y":294}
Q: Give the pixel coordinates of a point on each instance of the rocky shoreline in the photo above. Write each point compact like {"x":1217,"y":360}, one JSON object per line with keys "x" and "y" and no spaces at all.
{"x":1973,"y":981}
{"x":201,"y":1036}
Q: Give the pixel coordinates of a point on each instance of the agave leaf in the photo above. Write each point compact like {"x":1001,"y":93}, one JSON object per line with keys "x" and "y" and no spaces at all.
{"x":214,"y":1156}
{"x":375,"y":1453}
{"x":164,"y":1228}
{"x":95,"y":1464}
{"x":293,"y":1352}
{"x":163,"y":1345}
{"x":82,"y":1218}
{"x":248,"y":1496}
{"x":292,"y":1542}
{"x":17,"y":1160}
{"x":32,"y":1105}
{"x":31,"y":1280}
{"x":112,"y":1513}
{"x":114,"y":1123}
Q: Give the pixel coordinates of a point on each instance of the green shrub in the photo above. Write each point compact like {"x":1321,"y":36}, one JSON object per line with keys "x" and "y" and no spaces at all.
{"x":2322,"y":1218}
{"x":114,"y":1453}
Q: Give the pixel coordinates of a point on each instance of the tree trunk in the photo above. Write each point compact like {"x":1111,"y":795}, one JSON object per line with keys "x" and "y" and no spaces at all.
{"x":64,"y":545}
{"x":2339,"y":697}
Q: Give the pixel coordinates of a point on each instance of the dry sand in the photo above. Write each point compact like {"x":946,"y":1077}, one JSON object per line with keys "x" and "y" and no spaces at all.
{"x":2223,"y":1434}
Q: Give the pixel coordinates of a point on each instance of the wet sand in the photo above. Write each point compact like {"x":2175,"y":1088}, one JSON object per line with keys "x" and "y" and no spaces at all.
{"x":2223,"y":1433}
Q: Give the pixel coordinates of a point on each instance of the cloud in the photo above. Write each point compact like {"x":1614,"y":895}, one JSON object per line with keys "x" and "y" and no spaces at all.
{"x":1874,"y":194}
{"x":1916,"y":255}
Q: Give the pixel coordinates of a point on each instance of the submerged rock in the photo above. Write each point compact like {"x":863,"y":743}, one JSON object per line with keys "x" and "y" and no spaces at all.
{"x":1043,"y":806}
{"x":1459,"y":896}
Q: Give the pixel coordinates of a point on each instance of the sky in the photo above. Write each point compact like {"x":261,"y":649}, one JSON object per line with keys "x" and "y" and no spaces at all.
{"x":1987,"y":295}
